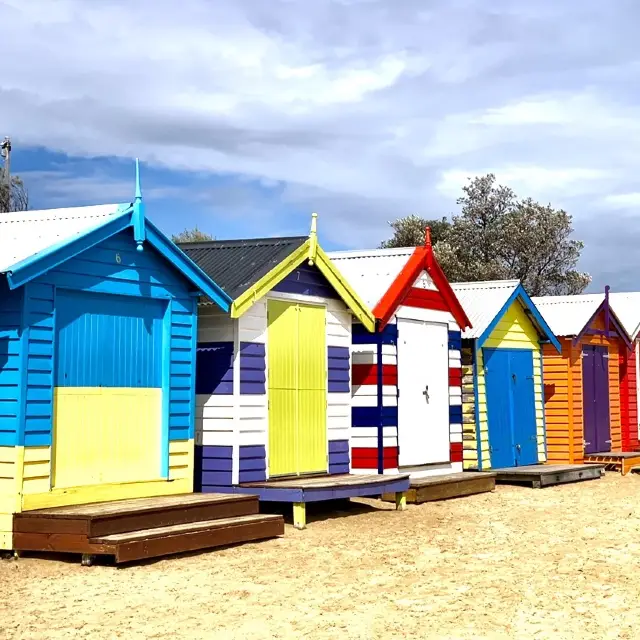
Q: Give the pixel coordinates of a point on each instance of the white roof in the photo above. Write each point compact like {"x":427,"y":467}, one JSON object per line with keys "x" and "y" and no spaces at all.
{"x":371,"y":273}
{"x":626,"y":306}
{"x":27,"y":233}
{"x":567,"y":315}
{"x":482,"y":302}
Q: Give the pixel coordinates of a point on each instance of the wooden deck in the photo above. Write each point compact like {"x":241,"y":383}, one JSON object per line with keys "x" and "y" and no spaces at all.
{"x":144,"y":528}
{"x":302,"y":489}
{"x":447,"y":486}
{"x":622,"y":461}
{"x":547,"y":475}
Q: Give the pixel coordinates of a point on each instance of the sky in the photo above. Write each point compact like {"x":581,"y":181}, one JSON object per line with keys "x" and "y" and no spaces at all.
{"x":248,"y":115}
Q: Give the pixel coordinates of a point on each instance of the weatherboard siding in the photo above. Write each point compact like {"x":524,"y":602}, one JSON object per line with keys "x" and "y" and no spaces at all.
{"x":234,"y":426}
{"x":628,"y":398}
{"x":513,"y":331}
{"x":563,"y":404}
{"x":375,"y":410}
{"x":11,"y":378}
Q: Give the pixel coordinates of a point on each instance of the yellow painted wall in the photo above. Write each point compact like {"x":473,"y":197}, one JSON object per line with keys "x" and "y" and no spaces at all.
{"x":514,"y":331}
{"x":25,"y":484}
{"x":469,"y":439}
{"x":123,"y":444}
{"x":10,"y":464}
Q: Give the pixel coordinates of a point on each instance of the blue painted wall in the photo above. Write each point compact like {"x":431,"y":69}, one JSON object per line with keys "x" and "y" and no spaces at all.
{"x":108,"y":341}
{"x":10,"y":365}
{"x":113,"y":267}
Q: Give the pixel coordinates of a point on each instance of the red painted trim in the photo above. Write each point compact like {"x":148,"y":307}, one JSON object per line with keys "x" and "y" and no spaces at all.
{"x":425,"y":299}
{"x":455,"y":452}
{"x":455,"y":377}
{"x":421,"y":259}
{"x":368,"y":374}
{"x":367,"y":458}
{"x":390,"y":301}
{"x":628,"y":399}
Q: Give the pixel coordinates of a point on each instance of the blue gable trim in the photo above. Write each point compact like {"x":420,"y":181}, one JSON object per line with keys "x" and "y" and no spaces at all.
{"x":40,"y":263}
{"x":187,"y":267}
{"x":55,"y":255}
{"x":543,"y":328}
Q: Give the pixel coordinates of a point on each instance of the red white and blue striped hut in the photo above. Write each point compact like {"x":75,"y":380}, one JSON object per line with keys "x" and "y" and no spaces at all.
{"x":406,"y":377}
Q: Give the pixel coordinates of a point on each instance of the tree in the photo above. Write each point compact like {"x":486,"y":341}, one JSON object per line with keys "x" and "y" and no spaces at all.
{"x":496,"y":236}
{"x":192,"y":235}
{"x":409,"y":232}
{"x":14,"y":197}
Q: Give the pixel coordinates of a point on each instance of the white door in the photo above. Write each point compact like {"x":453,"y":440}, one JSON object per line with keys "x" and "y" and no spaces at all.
{"x":423,"y":383}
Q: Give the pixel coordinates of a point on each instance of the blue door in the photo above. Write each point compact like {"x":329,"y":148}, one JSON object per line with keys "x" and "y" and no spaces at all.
{"x":108,"y":422}
{"x":511,"y":407}
{"x":524,"y":407}
{"x":497,"y":381}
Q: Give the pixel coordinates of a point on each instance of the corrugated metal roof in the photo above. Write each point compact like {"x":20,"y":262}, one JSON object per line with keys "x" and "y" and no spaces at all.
{"x":626,"y":306}
{"x":371,"y":273}
{"x":236,"y":265}
{"x":567,"y":315}
{"x":25,"y":234}
{"x":482,"y":302}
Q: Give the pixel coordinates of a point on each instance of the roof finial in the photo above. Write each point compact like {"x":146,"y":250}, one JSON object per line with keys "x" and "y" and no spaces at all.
{"x":138,"y":212}
{"x":427,"y":237}
{"x":313,"y":239}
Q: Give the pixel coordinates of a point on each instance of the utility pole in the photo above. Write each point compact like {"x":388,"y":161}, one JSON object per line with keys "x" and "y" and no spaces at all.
{"x":5,"y":152}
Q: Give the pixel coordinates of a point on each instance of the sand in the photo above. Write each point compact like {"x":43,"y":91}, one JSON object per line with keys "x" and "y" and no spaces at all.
{"x":561,"y":562}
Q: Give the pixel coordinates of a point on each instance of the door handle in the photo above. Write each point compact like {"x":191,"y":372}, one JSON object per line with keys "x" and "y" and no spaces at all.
{"x":518,"y":448}
{"x":425,"y":393}
{"x":513,"y":375}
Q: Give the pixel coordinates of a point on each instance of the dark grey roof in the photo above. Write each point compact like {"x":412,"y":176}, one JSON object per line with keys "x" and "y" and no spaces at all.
{"x":236,"y":265}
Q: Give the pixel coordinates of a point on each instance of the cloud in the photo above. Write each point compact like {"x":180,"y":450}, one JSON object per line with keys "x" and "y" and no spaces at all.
{"x":361,"y":109}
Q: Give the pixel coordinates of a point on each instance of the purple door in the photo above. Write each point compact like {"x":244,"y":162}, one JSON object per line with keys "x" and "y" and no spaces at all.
{"x":595,"y":397}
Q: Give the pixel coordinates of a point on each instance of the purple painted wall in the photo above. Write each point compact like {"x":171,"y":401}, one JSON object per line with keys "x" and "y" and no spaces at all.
{"x":253,"y":464}
{"x":339,"y":367}
{"x":339,"y":456}
{"x":252,"y":368}
{"x":308,"y":281}
{"x":214,"y":464}
{"x":214,"y":368}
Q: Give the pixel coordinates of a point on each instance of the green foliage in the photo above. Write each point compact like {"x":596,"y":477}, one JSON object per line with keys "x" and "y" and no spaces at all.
{"x":192,"y":235}
{"x":409,"y":231}
{"x":15,"y":197}
{"x":498,"y":236}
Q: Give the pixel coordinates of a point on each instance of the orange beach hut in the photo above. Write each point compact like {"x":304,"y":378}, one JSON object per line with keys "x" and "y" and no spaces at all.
{"x":583,"y":384}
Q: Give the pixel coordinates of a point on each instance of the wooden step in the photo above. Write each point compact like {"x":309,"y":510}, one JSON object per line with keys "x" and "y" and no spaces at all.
{"x":158,"y":541}
{"x":447,"y":486}
{"x":120,"y":516}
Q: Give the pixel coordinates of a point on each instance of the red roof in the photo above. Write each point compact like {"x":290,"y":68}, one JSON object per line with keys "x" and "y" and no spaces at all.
{"x":422,"y":259}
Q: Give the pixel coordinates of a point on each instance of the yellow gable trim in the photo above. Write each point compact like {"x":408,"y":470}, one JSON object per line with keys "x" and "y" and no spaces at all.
{"x":344,"y":290}
{"x":244,"y":302}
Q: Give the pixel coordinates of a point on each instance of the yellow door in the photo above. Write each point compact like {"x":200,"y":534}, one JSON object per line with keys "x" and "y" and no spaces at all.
{"x":312,"y":389}
{"x":297,"y":377}
{"x":110,"y":435}
{"x":282,"y":375}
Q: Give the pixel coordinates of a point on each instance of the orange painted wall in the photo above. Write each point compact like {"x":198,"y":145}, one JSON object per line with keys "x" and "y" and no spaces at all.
{"x":562,"y":374}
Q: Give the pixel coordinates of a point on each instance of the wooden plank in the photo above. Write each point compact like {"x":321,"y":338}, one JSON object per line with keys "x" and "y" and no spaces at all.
{"x":197,"y":540}
{"x":174,"y":516}
{"x":135,"y":505}
{"x":59,"y":543}
{"x":458,"y":485}
{"x":78,"y":526}
{"x":326,"y":482}
{"x":162,"y":532}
